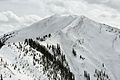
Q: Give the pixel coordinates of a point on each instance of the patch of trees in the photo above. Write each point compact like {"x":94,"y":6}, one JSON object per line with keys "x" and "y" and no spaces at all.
{"x":86,"y":75}
{"x":5,"y":37}
{"x":101,"y":75}
{"x":43,"y":38}
{"x":81,"y":57}
{"x":40,"y":48}
{"x":111,"y":29}
{"x":55,"y":65}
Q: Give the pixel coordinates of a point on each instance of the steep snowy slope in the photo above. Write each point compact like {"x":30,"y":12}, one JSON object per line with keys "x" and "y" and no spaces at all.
{"x":46,"y":26}
{"x":62,"y":48}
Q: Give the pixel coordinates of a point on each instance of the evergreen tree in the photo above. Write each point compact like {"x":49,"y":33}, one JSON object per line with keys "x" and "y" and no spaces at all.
{"x":49,"y":35}
{"x":1,"y":44}
{"x":74,"y":52}
{"x":1,"y":78}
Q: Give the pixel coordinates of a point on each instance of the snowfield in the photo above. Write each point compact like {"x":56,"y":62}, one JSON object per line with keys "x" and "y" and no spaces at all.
{"x":85,"y":49}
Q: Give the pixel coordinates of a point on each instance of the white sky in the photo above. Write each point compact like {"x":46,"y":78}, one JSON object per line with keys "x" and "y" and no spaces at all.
{"x":25,"y":12}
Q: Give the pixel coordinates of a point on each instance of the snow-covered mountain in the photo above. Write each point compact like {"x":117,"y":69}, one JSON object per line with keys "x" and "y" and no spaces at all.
{"x":61,"y":47}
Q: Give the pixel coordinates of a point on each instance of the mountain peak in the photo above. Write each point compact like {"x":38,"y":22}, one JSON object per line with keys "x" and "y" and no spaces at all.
{"x":53,"y":24}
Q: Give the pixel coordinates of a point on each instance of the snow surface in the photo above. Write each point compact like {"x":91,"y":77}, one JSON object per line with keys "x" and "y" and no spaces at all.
{"x":98,"y":43}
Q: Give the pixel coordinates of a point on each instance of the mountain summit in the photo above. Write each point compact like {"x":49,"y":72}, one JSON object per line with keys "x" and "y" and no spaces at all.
{"x":61,"y":47}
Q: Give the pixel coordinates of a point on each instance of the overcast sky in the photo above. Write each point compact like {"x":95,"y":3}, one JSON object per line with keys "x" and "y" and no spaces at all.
{"x":25,"y":12}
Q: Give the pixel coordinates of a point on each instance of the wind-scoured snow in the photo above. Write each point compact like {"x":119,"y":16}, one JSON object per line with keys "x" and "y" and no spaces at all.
{"x":97,"y":48}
